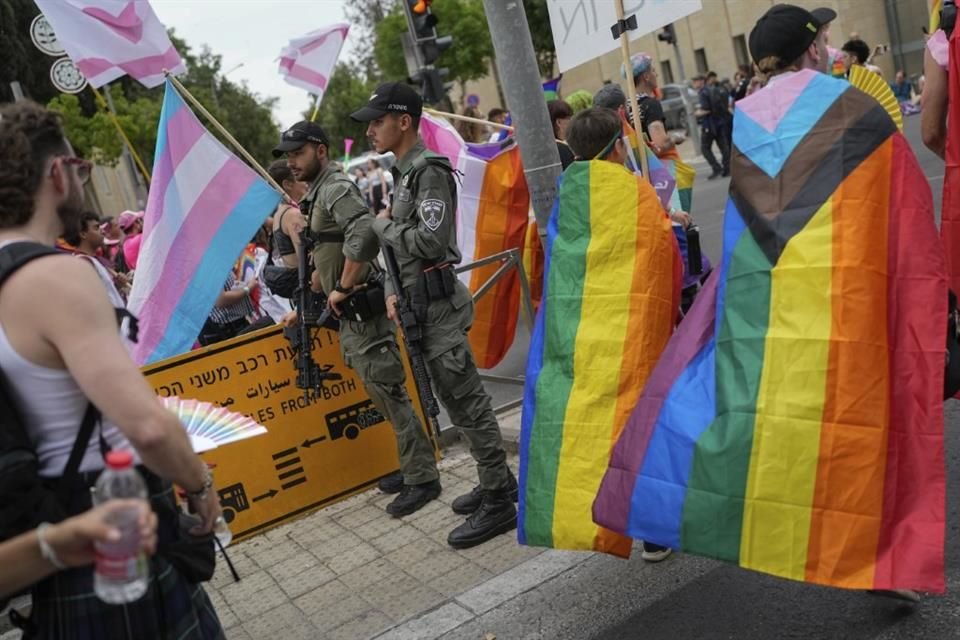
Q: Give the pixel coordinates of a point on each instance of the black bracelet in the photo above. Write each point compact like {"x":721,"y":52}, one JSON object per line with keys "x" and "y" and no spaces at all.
{"x":341,"y":288}
{"x":202,"y":492}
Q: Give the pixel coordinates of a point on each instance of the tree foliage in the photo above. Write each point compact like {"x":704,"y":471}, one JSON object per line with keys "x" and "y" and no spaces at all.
{"x":468,"y":58}
{"x":364,"y":16}
{"x":20,"y":60}
{"x":346,"y":93}
{"x":538,"y":19}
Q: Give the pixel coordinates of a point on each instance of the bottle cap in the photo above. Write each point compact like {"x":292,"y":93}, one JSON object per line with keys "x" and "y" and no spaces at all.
{"x":120,"y":459}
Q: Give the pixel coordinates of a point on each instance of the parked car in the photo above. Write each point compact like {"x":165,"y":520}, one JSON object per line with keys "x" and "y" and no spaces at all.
{"x":673,"y":108}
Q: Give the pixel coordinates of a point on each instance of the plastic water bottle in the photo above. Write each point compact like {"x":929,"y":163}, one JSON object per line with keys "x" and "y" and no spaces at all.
{"x":121,"y":572}
{"x":222,"y":532}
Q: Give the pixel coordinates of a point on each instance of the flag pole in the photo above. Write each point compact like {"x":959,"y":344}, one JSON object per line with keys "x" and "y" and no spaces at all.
{"x":632,"y":91}
{"x":457,"y":116}
{"x":316,"y":108}
{"x":226,"y":134}
{"x":123,"y":136}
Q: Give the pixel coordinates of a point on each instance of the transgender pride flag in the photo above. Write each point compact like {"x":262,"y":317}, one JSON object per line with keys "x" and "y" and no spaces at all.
{"x":308,"y":62}
{"x":204,"y":206}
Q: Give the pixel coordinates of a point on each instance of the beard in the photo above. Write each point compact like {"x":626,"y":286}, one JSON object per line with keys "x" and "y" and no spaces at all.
{"x":72,"y":207}
{"x":310,"y":172}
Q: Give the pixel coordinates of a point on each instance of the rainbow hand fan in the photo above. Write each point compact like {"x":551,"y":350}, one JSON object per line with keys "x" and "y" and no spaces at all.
{"x":209,"y":426}
{"x":876,"y":87}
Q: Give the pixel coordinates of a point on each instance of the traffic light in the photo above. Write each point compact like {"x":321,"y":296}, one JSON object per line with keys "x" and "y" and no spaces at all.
{"x":426,"y":47}
{"x":668,"y":35}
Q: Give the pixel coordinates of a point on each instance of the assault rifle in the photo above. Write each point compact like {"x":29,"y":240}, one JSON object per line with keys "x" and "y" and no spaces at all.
{"x":412,"y":337}
{"x":312,"y":311}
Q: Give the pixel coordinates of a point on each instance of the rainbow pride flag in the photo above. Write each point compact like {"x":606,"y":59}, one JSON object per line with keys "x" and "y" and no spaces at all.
{"x":794,"y":424}
{"x":610,"y":300}
{"x":204,"y":206}
{"x":492,"y":206}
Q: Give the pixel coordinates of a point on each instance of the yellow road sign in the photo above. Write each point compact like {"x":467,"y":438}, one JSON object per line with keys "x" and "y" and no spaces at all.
{"x":316,"y":451}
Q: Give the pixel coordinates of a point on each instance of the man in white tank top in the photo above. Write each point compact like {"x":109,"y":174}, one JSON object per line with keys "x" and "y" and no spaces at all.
{"x":59,"y":342}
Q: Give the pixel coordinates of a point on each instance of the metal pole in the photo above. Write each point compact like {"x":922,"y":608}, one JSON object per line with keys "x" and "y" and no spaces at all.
{"x":691,"y":118}
{"x":520,"y":76}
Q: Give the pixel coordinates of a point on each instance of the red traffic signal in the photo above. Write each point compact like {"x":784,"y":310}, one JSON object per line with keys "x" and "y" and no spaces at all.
{"x":421,"y":6}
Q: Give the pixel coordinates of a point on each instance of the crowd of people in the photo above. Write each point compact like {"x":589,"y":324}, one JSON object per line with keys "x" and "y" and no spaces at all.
{"x":59,"y":366}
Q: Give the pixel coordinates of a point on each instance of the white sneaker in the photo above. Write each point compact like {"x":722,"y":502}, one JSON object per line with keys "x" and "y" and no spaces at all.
{"x":656,"y":556}
{"x":906,"y":595}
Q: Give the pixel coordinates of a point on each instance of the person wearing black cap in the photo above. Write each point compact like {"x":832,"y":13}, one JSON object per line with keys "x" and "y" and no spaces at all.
{"x":840,"y":155}
{"x":344,"y":249}
{"x":420,"y":227}
{"x":788,"y":38}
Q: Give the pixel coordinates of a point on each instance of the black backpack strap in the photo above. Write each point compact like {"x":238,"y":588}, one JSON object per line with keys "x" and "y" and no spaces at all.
{"x":68,"y":480}
{"x":16,"y":254}
{"x":12,"y":257}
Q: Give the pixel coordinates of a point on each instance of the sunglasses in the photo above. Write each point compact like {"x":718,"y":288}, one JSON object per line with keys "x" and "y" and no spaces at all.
{"x":83,"y":166}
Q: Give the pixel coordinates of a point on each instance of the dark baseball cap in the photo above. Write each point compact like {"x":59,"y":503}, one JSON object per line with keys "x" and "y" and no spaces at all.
{"x":785,"y":31}
{"x":391,"y":97}
{"x":299,"y":135}
{"x":824,"y":15}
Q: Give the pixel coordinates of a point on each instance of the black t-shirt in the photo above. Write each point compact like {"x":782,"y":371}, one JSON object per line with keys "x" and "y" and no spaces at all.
{"x":650,"y":111}
{"x":566,"y":154}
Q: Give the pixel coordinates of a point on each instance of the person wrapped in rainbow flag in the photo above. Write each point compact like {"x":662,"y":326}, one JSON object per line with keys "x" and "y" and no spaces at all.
{"x":610,"y":302}
{"x":794,"y":424}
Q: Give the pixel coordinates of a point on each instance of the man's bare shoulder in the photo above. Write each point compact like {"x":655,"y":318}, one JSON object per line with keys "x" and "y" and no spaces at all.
{"x":54,"y":280}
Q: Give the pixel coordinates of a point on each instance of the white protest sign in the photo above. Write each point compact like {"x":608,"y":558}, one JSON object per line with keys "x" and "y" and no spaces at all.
{"x":581,"y":28}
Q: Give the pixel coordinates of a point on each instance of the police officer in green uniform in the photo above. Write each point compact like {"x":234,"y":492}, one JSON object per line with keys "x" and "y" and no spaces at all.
{"x":340,"y":224}
{"x":421,"y":228}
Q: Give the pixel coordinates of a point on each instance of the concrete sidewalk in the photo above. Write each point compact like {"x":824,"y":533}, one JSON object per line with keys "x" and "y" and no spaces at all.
{"x":351,"y":571}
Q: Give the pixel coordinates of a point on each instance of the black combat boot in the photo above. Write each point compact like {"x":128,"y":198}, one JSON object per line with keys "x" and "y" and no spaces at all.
{"x":470,"y":502}
{"x":392,"y":483}
{"x":496,"y":515}
{"x":413,"y":497}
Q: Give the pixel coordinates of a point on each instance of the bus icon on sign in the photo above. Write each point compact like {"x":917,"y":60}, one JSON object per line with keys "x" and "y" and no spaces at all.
{"x":350,"y":420}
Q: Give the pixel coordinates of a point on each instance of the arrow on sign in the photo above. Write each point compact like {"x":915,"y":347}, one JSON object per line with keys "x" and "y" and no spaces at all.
{"x":312,"y":441}
{"x":268,"y":494}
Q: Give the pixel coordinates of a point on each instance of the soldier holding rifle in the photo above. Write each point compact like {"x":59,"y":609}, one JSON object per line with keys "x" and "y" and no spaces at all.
{"x":436,"y":310}
{"x":343,"y":248}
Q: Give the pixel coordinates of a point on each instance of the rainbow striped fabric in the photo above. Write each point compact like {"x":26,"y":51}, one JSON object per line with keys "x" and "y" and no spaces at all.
{"x":204,"y":206}
{"x":610,"y":300}
{"x":492,"y":210}
{"x":794,"y":424}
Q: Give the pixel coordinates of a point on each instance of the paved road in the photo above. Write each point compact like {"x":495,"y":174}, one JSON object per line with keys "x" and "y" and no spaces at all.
{"x":688,"y":597}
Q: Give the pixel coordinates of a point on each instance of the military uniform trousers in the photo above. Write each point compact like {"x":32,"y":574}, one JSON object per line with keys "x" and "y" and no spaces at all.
{"x":370,"y":349}
{"x":457,"y":383}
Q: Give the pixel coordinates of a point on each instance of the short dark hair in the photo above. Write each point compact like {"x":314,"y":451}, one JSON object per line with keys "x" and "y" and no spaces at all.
{"x":591,"y":130}
{"x":711,"y":74}
{"x":610,"y":96}
{"x":559,"y":110}
{"x":495,"y":113}
{"x":29,"y":136}
{"x":858,"y":48}
{"x":280,"y":171}
{"x":72,"y":235}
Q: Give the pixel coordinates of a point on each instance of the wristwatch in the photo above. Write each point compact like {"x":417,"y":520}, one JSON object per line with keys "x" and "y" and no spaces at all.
{"x":341,"y":288}
{"x":246,"y":290}
{"x":202,"y":492}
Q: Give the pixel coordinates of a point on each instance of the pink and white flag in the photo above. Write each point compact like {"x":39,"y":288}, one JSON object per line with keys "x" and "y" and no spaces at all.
{"x":110,"y":38}
{"x":308,"y":62}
